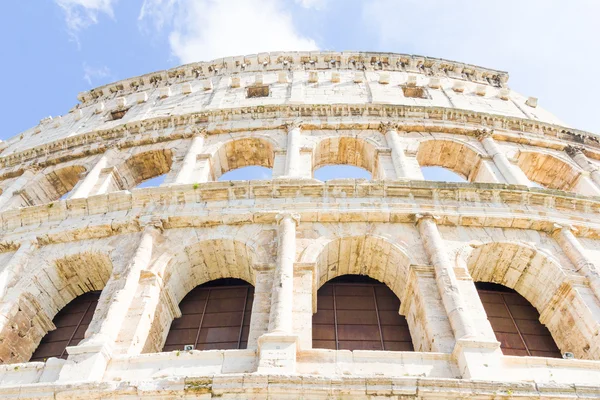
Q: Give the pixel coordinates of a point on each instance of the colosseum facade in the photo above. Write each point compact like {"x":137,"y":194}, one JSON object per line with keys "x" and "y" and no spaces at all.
{"x":291,"y":287}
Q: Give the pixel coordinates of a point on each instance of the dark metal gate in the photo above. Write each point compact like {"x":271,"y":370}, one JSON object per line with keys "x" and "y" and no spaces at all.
{"x":359,"y":313}
{"x":215,"y":315}
{"x":71,"y":323}
{"x":516,"y":322}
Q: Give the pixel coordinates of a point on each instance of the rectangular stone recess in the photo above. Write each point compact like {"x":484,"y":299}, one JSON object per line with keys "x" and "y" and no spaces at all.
{"x":213,"y":318}
{"x":359,"y":317}
{"x":414,"y":92}
{"x":71,"y":323}
{"x":516,"y":325}
{"x":258,"y":91}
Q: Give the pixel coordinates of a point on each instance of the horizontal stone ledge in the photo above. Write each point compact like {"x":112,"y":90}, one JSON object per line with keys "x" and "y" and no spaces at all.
{"x":317,"y":116}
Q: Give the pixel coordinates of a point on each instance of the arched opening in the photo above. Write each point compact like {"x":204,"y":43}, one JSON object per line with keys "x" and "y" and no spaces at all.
{"x":152,"y":182}
{"x":52,"y":186}
{"x":329,"y":172}
{"x":359,"y":313}
{"x":71,"y":323}
{"x":548,"y":171}
{"x":247,"y":174}
{"x":344,"y":157}
{"x":441,"y":174}
{"x":214,"y":315}
{"x":516,"y":323}
{"x":453,"y":156}
{"x":240,"y":153}
{"x":142,"y":167}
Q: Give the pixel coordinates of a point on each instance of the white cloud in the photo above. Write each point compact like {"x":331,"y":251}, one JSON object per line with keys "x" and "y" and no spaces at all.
{"x":316,"y":4}
{"x":79,"y":14}
{"x":209,"y":29}
{"x":547,"y":46}
{"x":94,"y":74}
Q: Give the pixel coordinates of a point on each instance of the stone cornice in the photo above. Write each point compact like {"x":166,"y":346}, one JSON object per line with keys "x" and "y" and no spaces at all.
{"x":355,"y":116}
{"x":385,"y":201}
{"x":277,"y":61}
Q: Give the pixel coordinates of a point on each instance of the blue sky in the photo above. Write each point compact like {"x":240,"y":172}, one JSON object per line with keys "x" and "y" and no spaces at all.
{"x":53,"y":49}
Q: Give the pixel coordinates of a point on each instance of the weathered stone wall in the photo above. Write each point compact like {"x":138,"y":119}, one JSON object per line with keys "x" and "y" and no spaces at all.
{"x":145,"y":249}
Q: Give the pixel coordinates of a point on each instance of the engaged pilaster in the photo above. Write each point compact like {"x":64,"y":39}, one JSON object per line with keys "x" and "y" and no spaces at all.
{"x":578,"y":256}
{"x":188,"y":166}
{"x":510,"y":172}
{"x":292,"y":158}
{"x":576,"y":153}
{"x":88,"y":360}
{"x":277,"y":348}
{"x":9,"y":193}
{"x":399,"y":159}
{"x":86,"y":185}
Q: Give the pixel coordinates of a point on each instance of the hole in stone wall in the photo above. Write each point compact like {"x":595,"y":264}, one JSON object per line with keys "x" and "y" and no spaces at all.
{"x":258,"y":91}
{"x":414,"y":92}
{"x":118,"y":114}
{"x":329,"y":172}
{"x":249,"y":173}
{"x":441,"y":174}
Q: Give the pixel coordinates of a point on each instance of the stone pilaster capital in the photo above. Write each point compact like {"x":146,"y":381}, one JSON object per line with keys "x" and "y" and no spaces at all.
{"x":558,"y":228}
{"x":426,"y":216}
{"x":154,"y":223}
{"x":283,"y":216}
{"x":484,"y":133}
{"x":294,"y":124}
{"x":385,"y":127}
{"x":573,"y":151}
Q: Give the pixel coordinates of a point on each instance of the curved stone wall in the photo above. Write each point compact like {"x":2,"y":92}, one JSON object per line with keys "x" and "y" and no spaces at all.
{"x":73,"y":221}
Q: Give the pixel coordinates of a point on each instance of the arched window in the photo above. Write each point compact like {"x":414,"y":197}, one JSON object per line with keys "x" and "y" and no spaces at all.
{"x":548,"y":171}
{"x":454,"y":156}
{"x":355,"y":312}
{"x":253,"y":172}
{"x":441,"y":174}
{"x":144,"y":167}
{"x":71,"y":323}
{"x":215,"y":315}
{"x":344,"y":157}
{"x":329,"y":172}
{"x":516,"y":322}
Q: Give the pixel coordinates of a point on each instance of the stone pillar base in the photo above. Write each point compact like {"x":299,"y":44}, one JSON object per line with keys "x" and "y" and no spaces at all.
{"x":277,"y":353}
{"x":86,"y":362}
{"x":478,"y":359}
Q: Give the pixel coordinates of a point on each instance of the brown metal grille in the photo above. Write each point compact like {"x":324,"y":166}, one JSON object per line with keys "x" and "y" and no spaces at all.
{"x":359,"y":313}
{"x":516,"y":322}
{"x":214,"y":316}
{"x":71,"y":323}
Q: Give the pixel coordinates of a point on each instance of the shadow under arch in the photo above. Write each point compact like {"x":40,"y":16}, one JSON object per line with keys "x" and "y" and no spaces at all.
{"x":242,"y":152}
{"x":143,"y":166}
{"x":34,"y":302}
{"x":51,"y":186}
{"x":456,"y":156}
{"x":547,"y":170}
{"x":346,"y":150}
{"x":543,"y":283}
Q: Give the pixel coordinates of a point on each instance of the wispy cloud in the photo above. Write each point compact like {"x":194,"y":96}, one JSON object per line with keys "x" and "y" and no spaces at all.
{"x":95,"y":75}
{"x":208,"y":29}
{"x":80,"y":14}
{"x":316,"y":4}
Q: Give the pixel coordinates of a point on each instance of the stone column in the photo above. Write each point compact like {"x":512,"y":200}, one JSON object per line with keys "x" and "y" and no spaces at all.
{"x":185,"y":174}
{"x":577,"y":254}
{"x":277,"y":348}
{"x":88,"y":360}
{"x":280,"y":320}
{"x":84,"y":187}
{"x":292,"y":159}
{"x":576,"y":153}
{"x":445,"y":277}
{"x":511,"y":173}
{"x":16,"y":186}
{"x":401,"y":165}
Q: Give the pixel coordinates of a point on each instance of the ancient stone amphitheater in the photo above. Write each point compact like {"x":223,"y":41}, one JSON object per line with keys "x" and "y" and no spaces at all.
{"x":291,"y":287}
